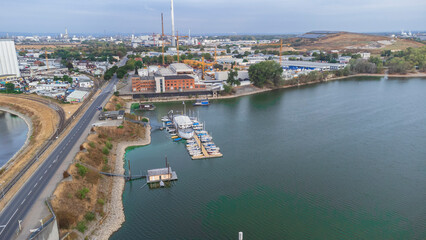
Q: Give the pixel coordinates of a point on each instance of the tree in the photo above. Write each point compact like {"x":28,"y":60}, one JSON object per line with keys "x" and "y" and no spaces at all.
{"x":10,"y":87}
{"x":232,"y":78}
{"x":121,"y":71}
{"x":138,"y":64}
{"x":362,"y":66}
{"x":266,"y":72}
{"x":69,"y":65}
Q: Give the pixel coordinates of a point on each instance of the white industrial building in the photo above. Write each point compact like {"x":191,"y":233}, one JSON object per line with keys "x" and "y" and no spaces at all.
{"x":77,"y":96}
{"x":8,"y":59}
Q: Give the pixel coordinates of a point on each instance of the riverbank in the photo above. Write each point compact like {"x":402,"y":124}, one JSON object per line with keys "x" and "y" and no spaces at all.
{"x":115,"y":216}
{"x":255,"y":90}
{"x":29,"y":123}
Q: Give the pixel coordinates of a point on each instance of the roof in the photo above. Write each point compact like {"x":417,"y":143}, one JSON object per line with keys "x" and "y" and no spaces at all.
{"x":78,"y":94}
{"x":180,"y":67}
{"x":182,"y":120}
{"x":177,"y":77}
{"x":159,"y":171}
{"x":309,"y":64}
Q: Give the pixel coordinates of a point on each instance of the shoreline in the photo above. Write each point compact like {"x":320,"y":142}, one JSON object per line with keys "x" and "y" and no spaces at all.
{"x":29,"y":123}
{"x":115,"y":217}
{"x":261,"y":90}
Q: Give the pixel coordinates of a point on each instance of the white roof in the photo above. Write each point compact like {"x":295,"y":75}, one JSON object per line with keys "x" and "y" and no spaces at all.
{"x":180,"y":67}
{"x":77,"y":94}
{"x":182,"y":120}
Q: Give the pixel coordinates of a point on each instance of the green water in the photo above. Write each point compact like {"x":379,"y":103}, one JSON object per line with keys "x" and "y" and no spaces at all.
{"x":339,"y":160}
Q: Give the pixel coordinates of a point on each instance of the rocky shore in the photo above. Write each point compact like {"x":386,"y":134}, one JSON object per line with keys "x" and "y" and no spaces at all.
{"x":114,"y":217}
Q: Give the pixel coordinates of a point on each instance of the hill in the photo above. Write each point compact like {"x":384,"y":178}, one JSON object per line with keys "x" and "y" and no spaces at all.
{"x":326,"y":40}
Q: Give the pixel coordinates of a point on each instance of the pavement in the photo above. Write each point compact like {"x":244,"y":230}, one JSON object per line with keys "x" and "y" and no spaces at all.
{"x":27,"y":206}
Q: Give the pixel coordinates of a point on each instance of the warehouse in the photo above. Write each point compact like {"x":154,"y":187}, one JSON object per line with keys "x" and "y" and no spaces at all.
{"x":77,"y":96}
{"x":299,"y":65}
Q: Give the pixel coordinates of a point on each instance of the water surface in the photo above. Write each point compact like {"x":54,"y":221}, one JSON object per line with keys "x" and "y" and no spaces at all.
{"x":13,"y":133}
{"x":339,"y":160}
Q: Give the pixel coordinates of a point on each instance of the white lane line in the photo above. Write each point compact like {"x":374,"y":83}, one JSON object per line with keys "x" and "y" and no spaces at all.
{"x":8,"y":221}
{"x":35,"y":185}
{"x":45,"y":171}
{"x":40,"y":178}
{"x":50,"y":165}
{"x":23,"y":201}
{"x":29,"y":193}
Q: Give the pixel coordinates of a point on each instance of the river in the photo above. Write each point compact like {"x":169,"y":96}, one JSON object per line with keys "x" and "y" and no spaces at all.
{"x":339,"y":160}
{"x":13,"y":134}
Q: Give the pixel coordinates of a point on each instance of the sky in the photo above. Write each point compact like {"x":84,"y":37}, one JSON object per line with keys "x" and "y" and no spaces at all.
{"x":211,"y":16}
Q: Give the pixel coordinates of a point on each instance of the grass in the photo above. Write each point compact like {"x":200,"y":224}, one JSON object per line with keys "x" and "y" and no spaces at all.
{"x":82,"y":193}
{"x":82,"y":170}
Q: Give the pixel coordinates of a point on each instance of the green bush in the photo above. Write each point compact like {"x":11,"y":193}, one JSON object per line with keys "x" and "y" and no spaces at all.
{"x":118,"y":106}
{"x":145,"y":120}
{"x":108,"y":144}
{"x":83,"y":192}
{"x":105,"y":159}
{"x":101,"y":201}
{"x":121,"y":126}
{"x":92,"y":144}
{"x":90,"y":216}
{"x":105,"y":151}
{"x":81,"y":226}
{"x":82,"y":170}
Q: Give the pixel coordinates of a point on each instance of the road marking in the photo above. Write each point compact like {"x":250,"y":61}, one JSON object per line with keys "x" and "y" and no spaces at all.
{"x":8,"y":221}
{"x":23,"y":201}
{"x":29,"y":193}
{"x":35,"y":184}
{"x":40,"y":178}
{"x":50,"y":165}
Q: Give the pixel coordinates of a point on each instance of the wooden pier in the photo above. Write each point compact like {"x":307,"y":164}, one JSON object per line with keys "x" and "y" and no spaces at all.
{"x":204,"y":151}
{"x":127,"y":178}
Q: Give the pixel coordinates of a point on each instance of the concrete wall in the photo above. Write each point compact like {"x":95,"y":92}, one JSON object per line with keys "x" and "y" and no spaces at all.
{"x":50,"y":232}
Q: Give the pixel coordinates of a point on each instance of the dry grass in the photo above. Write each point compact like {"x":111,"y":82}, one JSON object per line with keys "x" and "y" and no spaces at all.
{"x":70,"y":109}
{"x":44,"y":121}
{"x":65,"y":201}
{"x":112,"y":103}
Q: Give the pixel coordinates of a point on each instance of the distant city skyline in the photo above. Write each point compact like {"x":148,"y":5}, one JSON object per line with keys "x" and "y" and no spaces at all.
{"x":218,"y":16}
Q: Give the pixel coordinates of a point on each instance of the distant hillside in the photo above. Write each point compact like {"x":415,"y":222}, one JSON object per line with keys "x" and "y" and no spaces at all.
{"x":327,"y":40}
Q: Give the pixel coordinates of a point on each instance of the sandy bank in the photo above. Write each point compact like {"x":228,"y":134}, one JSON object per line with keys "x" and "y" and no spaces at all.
{"x":114,"y":217}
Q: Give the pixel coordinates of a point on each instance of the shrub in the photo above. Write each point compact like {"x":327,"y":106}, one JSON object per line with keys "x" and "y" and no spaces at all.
{"x":82,"y":193}
{"x":145,"y":120}
{"x":118,"y":106}
{"x":82,"y":170}
{"x":105,"y":159}
{"x":101,"y":201}
{"x":121,"y":126}
{"x":65,"y":174}
{"x":90,"y":216}
{"x":105,"y":151}
{"x":108,"y":144}
{"x":81,"y":226}
{"x":92,"y":144}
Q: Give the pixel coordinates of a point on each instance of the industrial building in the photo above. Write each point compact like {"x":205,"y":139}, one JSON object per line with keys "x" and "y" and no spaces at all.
{"x":77,"y":96}
{"x":168,"y":83}
{"x":299,"y":65}
{"x":8,"y":59}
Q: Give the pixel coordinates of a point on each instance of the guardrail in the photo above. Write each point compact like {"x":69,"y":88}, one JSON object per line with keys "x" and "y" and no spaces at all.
{"x":52,"y":139}
{"x":40,"y":229}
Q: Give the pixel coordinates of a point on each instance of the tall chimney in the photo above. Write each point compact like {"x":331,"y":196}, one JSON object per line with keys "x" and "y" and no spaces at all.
{"x":173,"y":24}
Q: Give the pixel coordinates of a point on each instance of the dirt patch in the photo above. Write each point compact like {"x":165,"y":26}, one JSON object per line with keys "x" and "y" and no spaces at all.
{"x":70,"y":109}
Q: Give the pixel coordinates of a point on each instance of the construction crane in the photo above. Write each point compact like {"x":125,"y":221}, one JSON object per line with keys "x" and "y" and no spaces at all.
{"x":275,"y":44}
{"x":177,"y":45}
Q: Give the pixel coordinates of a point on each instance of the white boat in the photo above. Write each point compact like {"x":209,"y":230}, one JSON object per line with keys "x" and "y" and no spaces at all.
{"x":165,"y":119}
{"x":183,"y":125}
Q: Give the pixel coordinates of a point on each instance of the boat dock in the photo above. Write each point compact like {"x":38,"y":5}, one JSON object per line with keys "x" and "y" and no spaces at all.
{"x":204,"y":151}
{"x":161,"y":175}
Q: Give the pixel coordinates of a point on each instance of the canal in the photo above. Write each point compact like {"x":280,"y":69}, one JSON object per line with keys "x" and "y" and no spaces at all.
{"x":13,"y":134}
{"x":338,"y":160}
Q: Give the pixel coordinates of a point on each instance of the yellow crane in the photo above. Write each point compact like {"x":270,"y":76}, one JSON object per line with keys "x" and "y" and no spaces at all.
{"x":275,"y":44}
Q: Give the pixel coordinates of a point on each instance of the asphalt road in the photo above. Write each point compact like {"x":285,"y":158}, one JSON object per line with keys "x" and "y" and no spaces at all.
{"x":27,"y":195}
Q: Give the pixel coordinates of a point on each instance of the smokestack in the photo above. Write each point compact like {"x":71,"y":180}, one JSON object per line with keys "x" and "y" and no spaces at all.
{"x":173,"y":24}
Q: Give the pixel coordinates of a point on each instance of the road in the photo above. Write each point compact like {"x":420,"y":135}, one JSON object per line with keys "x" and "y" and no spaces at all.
{"x":23,"y":200}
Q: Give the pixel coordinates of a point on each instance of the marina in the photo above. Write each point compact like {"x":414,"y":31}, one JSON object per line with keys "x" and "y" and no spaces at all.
{"x":199,"y":143}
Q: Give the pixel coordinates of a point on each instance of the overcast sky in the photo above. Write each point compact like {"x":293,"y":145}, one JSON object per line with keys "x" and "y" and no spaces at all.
{"x":211,"y":16}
